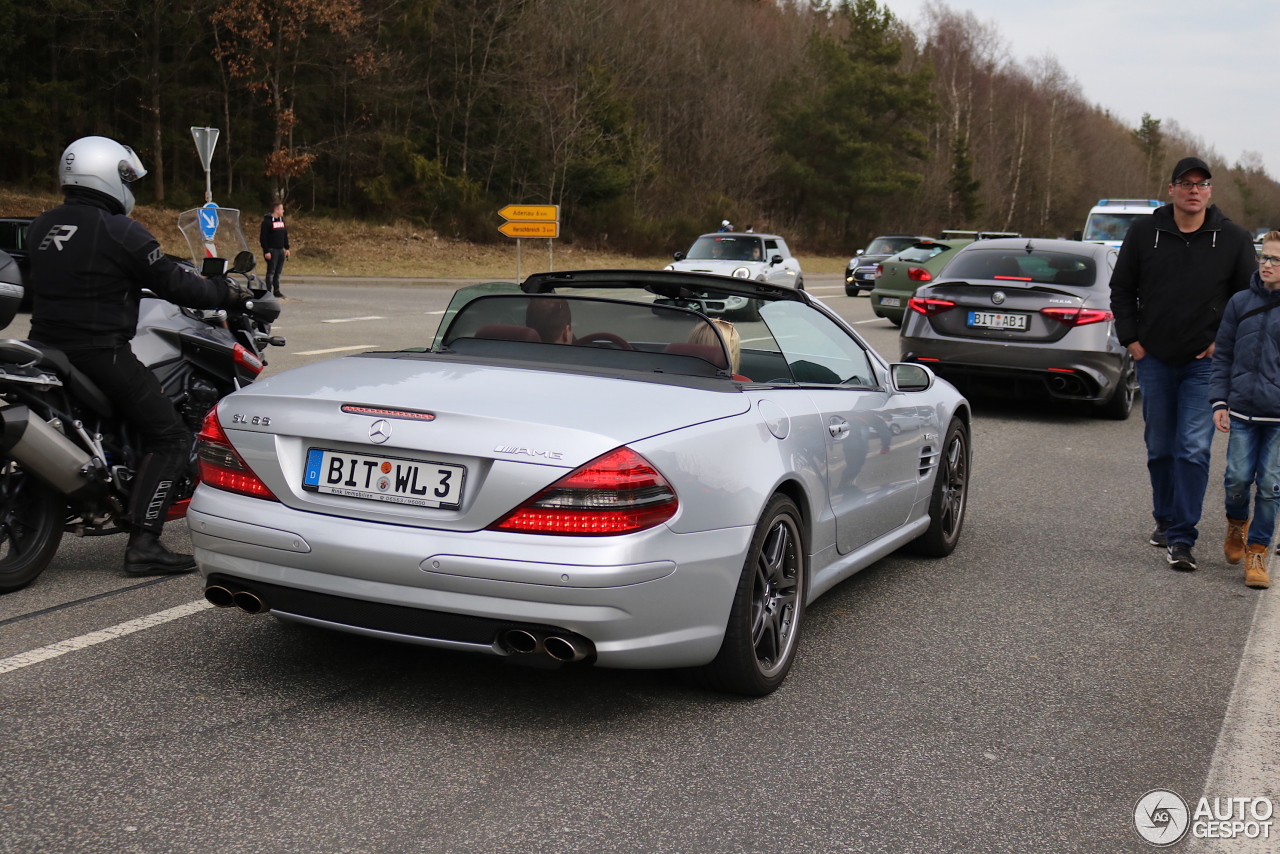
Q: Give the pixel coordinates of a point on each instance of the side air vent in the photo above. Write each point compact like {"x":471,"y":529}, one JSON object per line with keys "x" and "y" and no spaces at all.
{"x":928,"y":460}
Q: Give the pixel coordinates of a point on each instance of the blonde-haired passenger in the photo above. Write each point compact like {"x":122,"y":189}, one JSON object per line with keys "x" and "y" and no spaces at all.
{"x":721,"y":331}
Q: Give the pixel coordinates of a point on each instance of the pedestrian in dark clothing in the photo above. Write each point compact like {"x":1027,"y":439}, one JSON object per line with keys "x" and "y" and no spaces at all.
{"x":1245,"y":394}
{"x":90,"y":263}
{"x":274,"y":237}
{"x":1176,"y":271}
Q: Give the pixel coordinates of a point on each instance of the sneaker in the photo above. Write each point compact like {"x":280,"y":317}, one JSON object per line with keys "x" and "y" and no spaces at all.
{"x":1255,"y":567}
{"x":277,"y":295}
{"x":1180,"y":557}
{"x":1157,"y":536}
{"x":1233,"y":546}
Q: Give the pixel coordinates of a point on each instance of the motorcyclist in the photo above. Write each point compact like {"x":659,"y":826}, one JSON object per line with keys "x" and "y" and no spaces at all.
{"x":89,"y":265}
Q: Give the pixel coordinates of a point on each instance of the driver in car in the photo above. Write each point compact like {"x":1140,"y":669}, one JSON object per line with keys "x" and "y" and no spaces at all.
{"x":551,"y":319}
{"x":89,"y":265}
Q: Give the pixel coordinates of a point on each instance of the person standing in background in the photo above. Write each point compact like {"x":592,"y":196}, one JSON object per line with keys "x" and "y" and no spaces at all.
{"x":1176,"y":271}
{"x":274,"y":237}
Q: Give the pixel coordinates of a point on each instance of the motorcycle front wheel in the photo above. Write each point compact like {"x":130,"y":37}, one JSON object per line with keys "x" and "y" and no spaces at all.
{"x":32,"y":518}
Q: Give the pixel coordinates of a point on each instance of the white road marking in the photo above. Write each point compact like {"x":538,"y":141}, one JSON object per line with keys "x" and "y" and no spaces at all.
{"x":333,"y":350}
{"x":826,"y":288}
{"x":353,"y":319}
{"x":872,"y":320}
{"x":433,"y":312}
{"x":44,"y":653}
{"x":1248,"y":749}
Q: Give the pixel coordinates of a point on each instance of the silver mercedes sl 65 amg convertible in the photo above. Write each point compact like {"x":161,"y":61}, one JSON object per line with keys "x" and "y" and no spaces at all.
{"x":584,"y":467}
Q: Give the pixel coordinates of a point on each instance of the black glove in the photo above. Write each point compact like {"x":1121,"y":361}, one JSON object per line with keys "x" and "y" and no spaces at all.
{"x":237,"y":295}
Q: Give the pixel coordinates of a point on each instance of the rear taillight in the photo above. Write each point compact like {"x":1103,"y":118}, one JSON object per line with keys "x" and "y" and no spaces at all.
{"x":617,"y":493}
{"x":1077,"y":316}
{"x":221,"y":466}
{"x":879,"y":270}
{"x":929,"y":307}
{"x":245,"y":358}
{"x":919,"y":274}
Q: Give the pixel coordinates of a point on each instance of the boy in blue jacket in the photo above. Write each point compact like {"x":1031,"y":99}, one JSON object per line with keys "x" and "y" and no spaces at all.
{"x":1245,"y":391}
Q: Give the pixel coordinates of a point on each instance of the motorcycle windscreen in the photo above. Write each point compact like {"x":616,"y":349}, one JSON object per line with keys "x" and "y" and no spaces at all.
{"x":212,"y":233}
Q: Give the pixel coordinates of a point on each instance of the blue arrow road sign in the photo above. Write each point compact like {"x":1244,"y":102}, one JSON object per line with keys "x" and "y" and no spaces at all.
{"x":209,"y":220}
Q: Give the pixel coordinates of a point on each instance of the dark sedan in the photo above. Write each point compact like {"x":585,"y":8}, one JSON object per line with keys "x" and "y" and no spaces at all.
{"x":1025,"y":318}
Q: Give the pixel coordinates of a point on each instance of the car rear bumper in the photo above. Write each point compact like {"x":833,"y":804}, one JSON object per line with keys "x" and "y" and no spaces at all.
{"x":898,"y":312}
{"x":1020,"y":371}
{"x":644,"y":600}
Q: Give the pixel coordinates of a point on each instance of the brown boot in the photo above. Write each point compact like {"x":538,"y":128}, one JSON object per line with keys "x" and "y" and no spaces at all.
{"x":1233,"y":548}
{"x":1255,"y":566}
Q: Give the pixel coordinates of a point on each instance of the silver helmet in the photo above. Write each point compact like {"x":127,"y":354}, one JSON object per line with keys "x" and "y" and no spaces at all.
{"x":98,"y":163}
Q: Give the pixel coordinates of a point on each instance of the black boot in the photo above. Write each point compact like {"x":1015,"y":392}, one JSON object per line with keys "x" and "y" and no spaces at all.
{"x":146,"y":555}
{"x":276,"y":293}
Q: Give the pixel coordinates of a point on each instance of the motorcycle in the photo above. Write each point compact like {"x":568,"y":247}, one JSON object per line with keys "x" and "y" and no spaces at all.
{"x":67,"y":459}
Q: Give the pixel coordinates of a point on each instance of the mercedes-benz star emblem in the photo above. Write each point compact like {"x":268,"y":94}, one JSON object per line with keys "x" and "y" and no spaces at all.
{"x":380,"y":431}
{"x":998,"y":297}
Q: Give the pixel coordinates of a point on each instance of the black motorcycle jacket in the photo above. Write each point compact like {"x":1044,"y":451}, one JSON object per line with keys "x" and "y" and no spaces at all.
{"x":1169,"y":289}
{"x":273,"y":234}
{"x":89,"y":265}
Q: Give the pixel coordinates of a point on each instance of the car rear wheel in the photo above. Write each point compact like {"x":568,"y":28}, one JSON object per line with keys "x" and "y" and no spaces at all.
{"x":764,"y":625}
{"x":1120,"y":405}
{"x":950,"y":496}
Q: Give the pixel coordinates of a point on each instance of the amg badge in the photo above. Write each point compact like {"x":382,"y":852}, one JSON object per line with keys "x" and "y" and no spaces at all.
{"x":529,"y":452}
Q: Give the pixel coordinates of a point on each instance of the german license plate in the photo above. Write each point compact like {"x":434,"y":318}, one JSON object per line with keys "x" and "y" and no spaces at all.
{"x":890,"y":301}
{"x":991,"y":320}
{"x":399,"y":481}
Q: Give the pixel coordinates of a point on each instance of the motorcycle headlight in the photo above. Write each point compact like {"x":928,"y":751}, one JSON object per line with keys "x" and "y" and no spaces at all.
{"x":742,"y":273}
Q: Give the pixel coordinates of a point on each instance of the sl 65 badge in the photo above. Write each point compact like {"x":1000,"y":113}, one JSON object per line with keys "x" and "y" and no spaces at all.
{"x":257,"y":420}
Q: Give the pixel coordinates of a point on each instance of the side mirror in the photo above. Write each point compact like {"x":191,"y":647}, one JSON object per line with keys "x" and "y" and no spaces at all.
{"x":679,"y":256}
{"x":776,"y":259}
{"x":860,"y":251}
{"x":908,"y":376}
{"x":1077,"y":235}
{"x":244,"y":262}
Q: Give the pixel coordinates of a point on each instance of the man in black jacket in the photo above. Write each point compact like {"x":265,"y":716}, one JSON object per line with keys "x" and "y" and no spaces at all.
{"x":1177,"y":269}
{"x":90,"y":262}
{"x":274,"y":237}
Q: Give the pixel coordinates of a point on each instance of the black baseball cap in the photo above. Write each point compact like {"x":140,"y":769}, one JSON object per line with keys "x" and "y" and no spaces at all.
{"x":1186,"y":164}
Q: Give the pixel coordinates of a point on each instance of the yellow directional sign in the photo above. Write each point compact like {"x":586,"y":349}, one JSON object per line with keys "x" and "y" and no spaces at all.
{"x":531,"y":213}
{"x":530,"y":229}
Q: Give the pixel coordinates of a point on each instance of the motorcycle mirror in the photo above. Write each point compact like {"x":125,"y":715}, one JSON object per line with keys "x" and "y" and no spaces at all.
{"x":244,"y":262}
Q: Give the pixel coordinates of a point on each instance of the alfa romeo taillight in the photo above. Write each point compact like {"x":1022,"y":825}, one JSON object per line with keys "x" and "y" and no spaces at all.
{"x":929,"y":307}
{"x":617,"y":493}
{"x":221,"y":466}
{"x":1077,"y":316}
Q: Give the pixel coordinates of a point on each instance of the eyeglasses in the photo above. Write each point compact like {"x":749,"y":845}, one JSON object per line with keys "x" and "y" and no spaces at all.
{"x":1268,"y":260}
{"x":1187,"y":185}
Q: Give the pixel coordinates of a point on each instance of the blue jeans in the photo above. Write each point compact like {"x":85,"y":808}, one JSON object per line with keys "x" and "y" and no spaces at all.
{"x":1253,"y":456}
{"x":1179,"y":431}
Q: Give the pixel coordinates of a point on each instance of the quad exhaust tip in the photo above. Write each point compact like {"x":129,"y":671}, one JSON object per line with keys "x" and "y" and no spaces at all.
{"x":225,"y":597}
{"x":557,"y":647}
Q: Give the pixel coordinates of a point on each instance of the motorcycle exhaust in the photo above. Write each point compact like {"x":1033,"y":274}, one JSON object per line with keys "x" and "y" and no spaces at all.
{"x":219,"y":597}
{"x":40,"y":449}
{"x":564,"y":649}
{"x":248,"y":602}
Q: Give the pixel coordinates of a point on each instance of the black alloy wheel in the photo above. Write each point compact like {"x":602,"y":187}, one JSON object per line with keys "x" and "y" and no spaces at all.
{"x":950,"y":496}
{"x":760,"y":640}
{"x":32,"y":517}
{"x":1120,"y":406}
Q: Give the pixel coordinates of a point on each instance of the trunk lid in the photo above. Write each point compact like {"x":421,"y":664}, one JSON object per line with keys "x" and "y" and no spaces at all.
{"x":996,"y":302}
{"x":505,"y":432}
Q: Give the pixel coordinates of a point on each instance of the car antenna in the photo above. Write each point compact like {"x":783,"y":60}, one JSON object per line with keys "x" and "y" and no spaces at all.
{"x":1029,"y":246}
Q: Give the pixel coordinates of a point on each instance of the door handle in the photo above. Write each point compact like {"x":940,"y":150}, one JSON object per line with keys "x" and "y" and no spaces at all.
{"x":838,"y":428}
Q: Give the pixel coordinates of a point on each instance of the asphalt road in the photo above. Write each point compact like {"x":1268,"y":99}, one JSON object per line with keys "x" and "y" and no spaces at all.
{"x":1018,"y":696}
